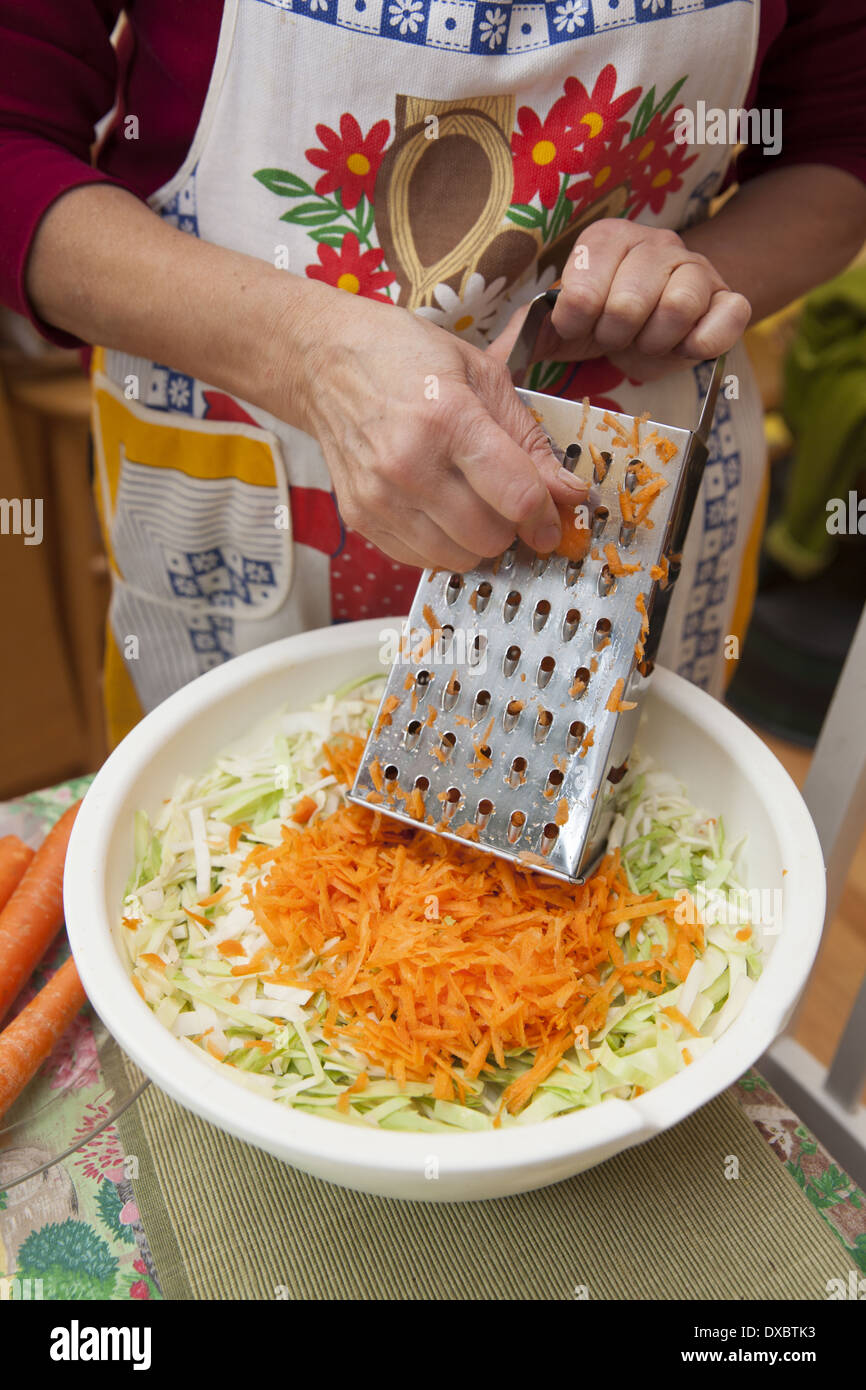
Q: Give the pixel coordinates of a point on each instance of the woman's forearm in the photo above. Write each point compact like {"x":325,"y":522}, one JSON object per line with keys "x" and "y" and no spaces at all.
{"x":784,"y":233}
{"x":106,"y":268}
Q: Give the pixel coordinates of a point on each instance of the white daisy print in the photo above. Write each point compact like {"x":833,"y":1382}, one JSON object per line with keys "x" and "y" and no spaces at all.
{"x":470,"y":314}
{"x":492,"y":27}
{"x":535,"y":283}
{"x":570,"y":15}
{"x":317,"y":5}
{"x":653,"y":5}
{"x":408,"y":15}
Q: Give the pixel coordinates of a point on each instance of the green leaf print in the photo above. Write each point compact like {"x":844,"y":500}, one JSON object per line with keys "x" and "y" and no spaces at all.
{"x":71,"y":1260}
{"x":110,"y":1206}
{"x":284,"y":184}
{"x":312,"y":214}
{"x":644,"y":114}
{"x":525,"y":215}
{"x":669,"y":97}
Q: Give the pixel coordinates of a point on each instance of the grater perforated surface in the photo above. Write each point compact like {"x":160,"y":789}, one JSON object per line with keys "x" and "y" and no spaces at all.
{"x":562,"y":670}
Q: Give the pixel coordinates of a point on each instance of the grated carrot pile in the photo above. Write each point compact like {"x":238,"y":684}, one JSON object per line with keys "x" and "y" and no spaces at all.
{"x":615,"y":703}
{"x":512,"y":959}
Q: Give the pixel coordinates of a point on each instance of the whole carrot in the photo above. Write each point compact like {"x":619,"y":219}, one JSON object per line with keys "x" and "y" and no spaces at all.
{"x":33,"y":915}
{"x":14,"y":859}
{"x":32,"y":1034}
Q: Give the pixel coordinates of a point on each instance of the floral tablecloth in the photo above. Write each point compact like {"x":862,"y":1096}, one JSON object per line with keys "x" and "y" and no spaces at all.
{"x":77,"y":1228}
{"x":73,"y":1230}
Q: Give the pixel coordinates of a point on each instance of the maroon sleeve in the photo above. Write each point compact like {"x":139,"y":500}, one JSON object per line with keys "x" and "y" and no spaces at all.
{"x":57,"y":79}
{"x":814,"y":72}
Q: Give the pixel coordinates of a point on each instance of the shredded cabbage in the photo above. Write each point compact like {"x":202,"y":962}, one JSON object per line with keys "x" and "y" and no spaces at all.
{"x":191,"y":852}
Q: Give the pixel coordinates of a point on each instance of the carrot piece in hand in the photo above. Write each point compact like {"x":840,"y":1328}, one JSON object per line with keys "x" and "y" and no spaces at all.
{"x":575,"y":539}
{"x":15,"y":856}
{"x":34,"y":914}
{"x":32,"y":1035}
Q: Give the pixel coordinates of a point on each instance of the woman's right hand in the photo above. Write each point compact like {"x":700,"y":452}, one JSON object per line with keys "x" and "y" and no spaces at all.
{"x":432,"y":454}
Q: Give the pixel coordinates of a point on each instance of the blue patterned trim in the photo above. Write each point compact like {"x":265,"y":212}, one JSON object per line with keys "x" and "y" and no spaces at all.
{"x":492,"y":27}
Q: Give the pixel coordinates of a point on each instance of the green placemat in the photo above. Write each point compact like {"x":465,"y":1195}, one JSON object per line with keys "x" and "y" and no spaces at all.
{"x":661,"y":1221}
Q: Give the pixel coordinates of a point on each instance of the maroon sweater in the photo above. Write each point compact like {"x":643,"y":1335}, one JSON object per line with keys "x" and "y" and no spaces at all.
{"x":59,"y":74}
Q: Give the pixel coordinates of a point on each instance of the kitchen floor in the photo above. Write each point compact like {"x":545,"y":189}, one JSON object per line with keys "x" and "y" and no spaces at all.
{"x":841,"y":965}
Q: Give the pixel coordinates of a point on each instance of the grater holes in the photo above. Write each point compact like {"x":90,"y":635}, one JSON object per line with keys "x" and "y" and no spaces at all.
{"x":483,"y":812}
{"x":541,"y":614}
{"x":555,"y":779}
{"x":626,"y":534}
{"x":391,"y":774}
{"x":508,"y":556}
{"x":453,"y":587}
{"x":451,"y":800}
{"x":511,"y":605}
{"x":481,"y":597}
{"x":450,"y":693}
{"x":480,"y":705}
{"x":517,"y":773}
{"x":601,"y":636}
{"x":581,"y":680}
{"x":422,"y":683}
{"x":510,"y":660}
{"x":572,"y":455}
{"x":421,"y":784}
{"x":631,"y":473}
{"x":446,"y":745}
{"x":600,"y":518}
{"x":412,"y":734}
{"x":445,"y":638}
{"x":546,"y":668}
{"x":511,"y":714}
{"x":549,"y":837}
{"x":543,"y":724}
{"x":576,"y":735}
{"x":572,"y":572}
{"x":516,"y":822}
{"x":570,"y":624}
{"x":539,"y":565}
{"x":478,"y":649}
{"x":606,"y":582}
{"x":601,"y":466}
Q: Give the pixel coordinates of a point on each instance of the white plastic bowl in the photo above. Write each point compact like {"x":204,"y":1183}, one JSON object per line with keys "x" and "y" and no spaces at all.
{"x":726,"y":769}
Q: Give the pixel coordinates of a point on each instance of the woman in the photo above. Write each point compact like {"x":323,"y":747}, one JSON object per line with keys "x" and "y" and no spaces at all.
{"x":299,"y":389}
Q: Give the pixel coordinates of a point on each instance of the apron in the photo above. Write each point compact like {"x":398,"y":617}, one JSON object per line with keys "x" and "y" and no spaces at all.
{"x":442,"y":155}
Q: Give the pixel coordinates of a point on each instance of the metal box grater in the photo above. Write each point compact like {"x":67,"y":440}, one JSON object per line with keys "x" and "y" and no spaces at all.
{"x":535,"y":784}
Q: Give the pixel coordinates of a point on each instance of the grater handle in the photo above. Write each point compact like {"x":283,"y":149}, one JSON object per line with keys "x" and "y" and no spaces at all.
{"x":521,"y":354}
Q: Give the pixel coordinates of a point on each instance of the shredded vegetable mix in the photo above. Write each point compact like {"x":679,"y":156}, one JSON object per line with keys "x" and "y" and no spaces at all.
{"x":361,"y":969}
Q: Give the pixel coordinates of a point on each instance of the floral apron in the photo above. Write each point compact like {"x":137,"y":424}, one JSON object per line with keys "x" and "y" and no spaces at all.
{"x":441,"y":155}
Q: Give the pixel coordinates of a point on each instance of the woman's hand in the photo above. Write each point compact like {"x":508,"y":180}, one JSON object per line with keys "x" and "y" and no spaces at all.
{"x":432,"y":454}
{"x":640,"y":297}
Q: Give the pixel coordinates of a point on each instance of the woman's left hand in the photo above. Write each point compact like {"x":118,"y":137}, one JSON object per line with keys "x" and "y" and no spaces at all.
{"x":638,"y":296}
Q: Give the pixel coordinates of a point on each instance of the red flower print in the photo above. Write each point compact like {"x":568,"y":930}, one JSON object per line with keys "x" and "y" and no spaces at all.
{"x":592,"y":378}
{"x":607,"y":165}
{"x":352,"y":269}
{"x":594,"y":116}
{"x":139,"y":1289}
{"x":658,"y":165}
{"x":543,"y":151}
{"x":139,"y":1266}
{"x":350,"y":160}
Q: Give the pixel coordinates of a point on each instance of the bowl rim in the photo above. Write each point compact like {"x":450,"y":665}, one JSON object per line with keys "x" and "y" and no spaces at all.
{"x":199,"y":1083}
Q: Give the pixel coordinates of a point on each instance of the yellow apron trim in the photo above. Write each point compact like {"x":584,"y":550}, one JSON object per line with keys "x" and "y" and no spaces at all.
{"x":122,"y":705}
{"x":747,"y":584}
{"x":209,"y":448}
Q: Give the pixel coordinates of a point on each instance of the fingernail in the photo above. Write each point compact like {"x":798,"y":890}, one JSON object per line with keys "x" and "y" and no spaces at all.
{"x":546,"y":538}
{"x":577,"y":484}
